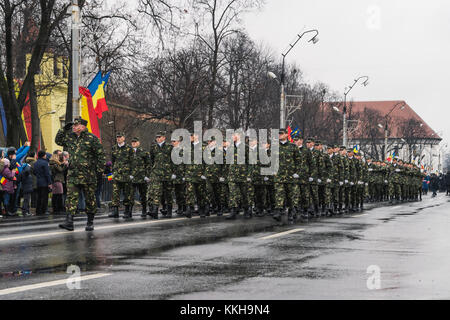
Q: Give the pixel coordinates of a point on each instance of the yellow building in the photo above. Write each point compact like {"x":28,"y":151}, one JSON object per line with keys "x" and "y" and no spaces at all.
{"x":51,"y":87}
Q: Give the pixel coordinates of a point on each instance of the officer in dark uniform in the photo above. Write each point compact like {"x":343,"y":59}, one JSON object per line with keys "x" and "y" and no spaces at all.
{"x":140,"y":170}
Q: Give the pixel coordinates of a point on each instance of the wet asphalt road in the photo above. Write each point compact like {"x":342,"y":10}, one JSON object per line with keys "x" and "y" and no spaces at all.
{"x":409,"y":244}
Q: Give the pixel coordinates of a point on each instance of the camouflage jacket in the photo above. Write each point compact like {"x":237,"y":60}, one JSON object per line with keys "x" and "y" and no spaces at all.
{"x":87,"y":157}
{"x":178,"y":169}
{"x":238,"y":172}
{"x":193,"y":171}
{"x":311,"y":162}
{"x":352,"y":173}
{"x":288,"y":158}
{"x":140,"y":165}
{"x":338,"y":166}
{"x":213,"y":171}
{"x":333,"y":170}
{"x":302,"y":168}
{"x":121,"y":161}
{"x":161,"y":165}
{"x":254,"y":170}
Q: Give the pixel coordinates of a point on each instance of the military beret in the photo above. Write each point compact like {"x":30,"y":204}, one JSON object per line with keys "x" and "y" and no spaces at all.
{"x":161,"y":134}
{"x":135,"y":139}
{"x":120,"y":134}
{"x":81,"y":121}
{"x":282,"y":131}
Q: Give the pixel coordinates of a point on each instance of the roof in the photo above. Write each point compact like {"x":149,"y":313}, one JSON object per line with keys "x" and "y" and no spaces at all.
{"x":397,"y":116}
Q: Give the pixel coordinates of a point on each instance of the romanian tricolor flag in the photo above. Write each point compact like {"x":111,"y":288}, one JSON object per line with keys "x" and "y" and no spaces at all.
{"x":88,"y":112}
{"x":389,"y":158}
{"x":356,"y":148}
{"x":289,"y":131}
{"x":97,"y":90}
{"x":3,"y":181}
{"x":110,"y":176}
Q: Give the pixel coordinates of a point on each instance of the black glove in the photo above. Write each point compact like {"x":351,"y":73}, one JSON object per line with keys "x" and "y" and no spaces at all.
{"x":68,"y":126}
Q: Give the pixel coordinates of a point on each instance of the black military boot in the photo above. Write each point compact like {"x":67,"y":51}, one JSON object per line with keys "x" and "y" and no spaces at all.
{"x":153,"y":211}
{"x":232,"y":216}
{"x":219,"y":210}
{"x":164,"y":210}
{"x":114,"y":213}
{"x":247,"y":213}
{"x":144,"y":211}
{"x":304,"y":215}
{"x":290,"y":216}
{"x":68,"y":224}
{"x":189,"y":211}
{"x":276,"y":214}
{"x":259,"y":211}
{"x":127,"y":215}
{"x":90,"y":222}
{"x":201,"y":212}
{"x":316,"y":211}
{"x":169,"y":211}
{"x":207,"y":210}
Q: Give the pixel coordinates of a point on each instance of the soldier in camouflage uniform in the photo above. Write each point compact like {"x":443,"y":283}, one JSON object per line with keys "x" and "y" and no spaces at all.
{"x":302,"y":198}
{"x":195,"y":181}
{"x":223,"y":181}
{"x":283,"y":179}
{"x":362,"y":182}
{"x":311,"y":162}
{"x":87,"y":158}
{"x":257,"y":186}
{"x":238,"y":181}
{"x":395,"y":181}
{"x":344,"y":189}
{"x":353,"y":179}
{"x":140,"y":170}
{"x":269,"y":189}
{"x":161,"y":175}
{"x":213,"y":173}
{"x":178,"y":183}
{"x":324,"y":169}
{"x":332,"y":181}
{"x":121,"y":155}
{"x":338,"y":181}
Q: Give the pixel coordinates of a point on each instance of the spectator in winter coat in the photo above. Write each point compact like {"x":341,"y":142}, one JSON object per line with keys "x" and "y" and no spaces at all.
{"x":57,"y":167}
{"x":7,"y":185}
{"x":44,"y":182}
{"x":27,"y":185}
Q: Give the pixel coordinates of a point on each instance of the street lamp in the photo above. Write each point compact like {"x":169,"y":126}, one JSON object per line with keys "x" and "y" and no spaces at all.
{"x":314,"y":40}
{"x":402,"y":104}
{"x":365,"y":83}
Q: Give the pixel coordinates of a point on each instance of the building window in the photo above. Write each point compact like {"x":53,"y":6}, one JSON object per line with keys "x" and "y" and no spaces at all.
{"x":56,"y":71}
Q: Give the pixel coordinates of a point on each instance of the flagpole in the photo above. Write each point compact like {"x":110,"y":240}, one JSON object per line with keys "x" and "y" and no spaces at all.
{"x":76,"y":112}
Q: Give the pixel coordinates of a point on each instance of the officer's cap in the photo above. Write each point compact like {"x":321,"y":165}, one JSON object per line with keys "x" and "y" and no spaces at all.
{"x":135,"y":139}
{"x":161,"y":134}
{"x":282,"y":131}
{"x":350,"y":151}
{"x":309,"y":140}
{"x":81,"y":121}
{"x":120,"y":134}
{"x":296,"y":138}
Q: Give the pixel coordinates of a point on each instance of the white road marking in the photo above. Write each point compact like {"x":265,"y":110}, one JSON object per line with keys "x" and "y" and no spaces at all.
{"x":121,"y":225}
{"x":50,"y":284}
{"x":276,"y":235}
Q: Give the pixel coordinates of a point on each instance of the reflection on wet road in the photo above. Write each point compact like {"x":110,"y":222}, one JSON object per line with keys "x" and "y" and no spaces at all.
{"x":211,"y":258}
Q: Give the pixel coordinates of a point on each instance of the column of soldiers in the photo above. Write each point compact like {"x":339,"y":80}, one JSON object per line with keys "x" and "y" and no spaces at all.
{"x":309,"y":183}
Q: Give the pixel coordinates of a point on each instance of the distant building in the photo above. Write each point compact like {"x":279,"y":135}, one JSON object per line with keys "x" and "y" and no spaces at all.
{"x":408,"y":135}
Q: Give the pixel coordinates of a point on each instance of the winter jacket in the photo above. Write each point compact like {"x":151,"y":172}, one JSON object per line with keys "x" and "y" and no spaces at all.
{"x":9,"y":176}
{"x":31,"y":161}
{"x":27,"y":178}
{"x":42,"y":172}
{"x":57,"y":170}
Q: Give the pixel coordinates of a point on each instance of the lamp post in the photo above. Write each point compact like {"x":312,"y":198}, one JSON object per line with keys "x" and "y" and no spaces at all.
{"x":314,"y":40}
{"x":344,"y":134}
{"x":386,"y":132}
{"x":75,"y":13}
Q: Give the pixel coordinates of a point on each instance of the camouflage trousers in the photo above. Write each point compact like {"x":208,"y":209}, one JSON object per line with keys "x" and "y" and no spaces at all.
{"x":360,"y":194}
{"x":302,"y":196}
{"x":119,"y":187}
{"x":213,"y":189}
{"x":159,"y":190}
{"x":270,"y":195}
{"x":334,"y":194}
{"x":180,"y":198}
{"x":73,"y":192}
{"x":224,"y":194}
{"x":260,"y":198}
{"x":314,"y":192}
{"x":284,"y":195}
{"x":238,"y":194}
{"x":324,"y":194}
{"x":142,"y":188}
{"x":395,"y":190}
{"x":351,"y":195}
{"x":196,"y":193}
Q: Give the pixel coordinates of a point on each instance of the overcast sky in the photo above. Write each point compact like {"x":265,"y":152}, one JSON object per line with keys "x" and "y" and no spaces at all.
{"x":403,"y":46}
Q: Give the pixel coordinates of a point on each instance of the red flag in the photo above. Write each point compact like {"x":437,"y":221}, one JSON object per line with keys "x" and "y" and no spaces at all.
{"x":289,"y":131}
{"x":89,"y":112}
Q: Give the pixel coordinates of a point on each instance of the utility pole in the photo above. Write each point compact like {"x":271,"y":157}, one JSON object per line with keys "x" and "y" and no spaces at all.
{"x":75,"y":12}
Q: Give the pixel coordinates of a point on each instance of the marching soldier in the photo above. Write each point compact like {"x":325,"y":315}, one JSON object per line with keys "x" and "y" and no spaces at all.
{"x":195,"y":181}
{"x":140,"y":170}
{"x":178,"y":181}
{"x":313,"y":179}
{"x":86,"y":161}
{"x":237,"y":181}
{"x":213,"y":172}
{"x":338,"y":183}
{"x":283,"y":179}
{"x":121,"y":156}
{"x":161,"y":175}
{"x":303,"y":198}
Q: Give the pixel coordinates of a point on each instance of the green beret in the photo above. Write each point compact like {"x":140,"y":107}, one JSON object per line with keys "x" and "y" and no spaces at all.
{"x":81,"y":121}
